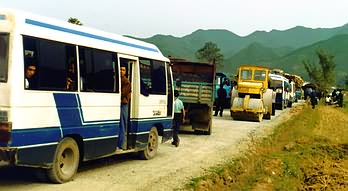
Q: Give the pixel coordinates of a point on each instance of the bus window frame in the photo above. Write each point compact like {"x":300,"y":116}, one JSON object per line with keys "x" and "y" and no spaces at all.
{"x":5,"y":49}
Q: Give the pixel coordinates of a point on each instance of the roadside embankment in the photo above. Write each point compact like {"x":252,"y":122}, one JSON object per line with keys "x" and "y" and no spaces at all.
{"x":307,"y":152}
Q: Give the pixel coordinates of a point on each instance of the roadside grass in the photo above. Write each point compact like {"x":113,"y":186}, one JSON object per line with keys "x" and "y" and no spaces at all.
{"x":345,"y":102}
{"x":307,"y":152}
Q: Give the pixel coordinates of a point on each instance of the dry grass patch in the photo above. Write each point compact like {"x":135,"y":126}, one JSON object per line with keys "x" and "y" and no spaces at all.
{"x":308,"y":152}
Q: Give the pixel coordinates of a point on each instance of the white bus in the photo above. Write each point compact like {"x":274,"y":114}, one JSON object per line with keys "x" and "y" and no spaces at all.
{"x":281,"y":86}
{"x":69,"y":111}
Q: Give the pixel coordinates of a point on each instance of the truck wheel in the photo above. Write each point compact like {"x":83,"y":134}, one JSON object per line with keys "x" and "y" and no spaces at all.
{"x":66,"y":161}
{"x":289,"y":104}
{"x":152,"y":145}
{"x":208,"y":132}
{"x":267,"y":116}
{"x":260,"y":117}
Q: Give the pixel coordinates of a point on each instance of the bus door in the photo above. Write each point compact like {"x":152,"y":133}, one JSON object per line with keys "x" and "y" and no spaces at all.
{"x":129,"y":62}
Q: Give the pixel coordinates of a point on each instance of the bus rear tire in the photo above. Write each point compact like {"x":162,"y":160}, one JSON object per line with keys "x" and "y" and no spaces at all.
{"x":152,"y":145}
{"x":66,"y":161}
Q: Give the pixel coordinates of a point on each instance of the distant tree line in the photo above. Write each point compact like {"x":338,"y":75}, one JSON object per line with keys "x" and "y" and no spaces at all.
{"x":323,"y":76}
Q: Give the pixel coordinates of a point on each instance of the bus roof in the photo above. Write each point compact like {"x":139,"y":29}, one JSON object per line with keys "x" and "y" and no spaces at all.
{"x":278,"y":77}
{"x":53,"y":29}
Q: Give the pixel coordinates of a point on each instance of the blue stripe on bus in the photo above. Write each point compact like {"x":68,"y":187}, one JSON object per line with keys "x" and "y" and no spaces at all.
{"x":93,"y":131}
{"x":70,"y":116}
{"x":88,"y":35}
{"x":23,"y":137}
{"x":145,"y":126}
{"x":68,"y":110}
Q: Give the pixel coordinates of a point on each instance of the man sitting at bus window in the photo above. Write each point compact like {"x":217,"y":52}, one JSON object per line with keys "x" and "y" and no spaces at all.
{"x":71,"y":78}
{"x":30,"y":71}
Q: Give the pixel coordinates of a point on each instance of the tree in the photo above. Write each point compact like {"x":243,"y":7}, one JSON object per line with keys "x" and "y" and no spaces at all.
{"x":323,"y":76}
{"x":74,"y":21}
{"x":211,"y":53}
{"x":346,"y":81}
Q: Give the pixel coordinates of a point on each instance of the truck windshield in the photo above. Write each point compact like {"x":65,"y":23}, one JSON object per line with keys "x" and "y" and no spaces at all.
{"x":260,"y":75}
{"x":4,"y":40}
{"x":246,"y":74}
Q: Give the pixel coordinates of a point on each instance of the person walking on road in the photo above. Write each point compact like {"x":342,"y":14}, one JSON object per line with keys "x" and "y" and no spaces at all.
{"x":179,"y":116}
{"x":313,"y":98}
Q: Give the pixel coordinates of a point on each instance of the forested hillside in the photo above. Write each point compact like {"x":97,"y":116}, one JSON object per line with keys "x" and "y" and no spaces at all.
{"x":278,"y":49}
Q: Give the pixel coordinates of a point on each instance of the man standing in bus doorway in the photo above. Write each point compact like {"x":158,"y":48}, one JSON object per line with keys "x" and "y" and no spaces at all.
{"x":179,"y":116}
{"x":125,"y":99}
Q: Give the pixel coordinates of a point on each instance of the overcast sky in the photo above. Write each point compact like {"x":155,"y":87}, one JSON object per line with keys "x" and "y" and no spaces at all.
{"x":145,"y":18}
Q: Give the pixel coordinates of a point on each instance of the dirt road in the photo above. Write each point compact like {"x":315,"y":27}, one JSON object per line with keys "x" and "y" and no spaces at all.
{"x":170,"y":169}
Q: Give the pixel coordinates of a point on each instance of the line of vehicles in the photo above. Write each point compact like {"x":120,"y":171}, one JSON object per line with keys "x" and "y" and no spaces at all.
{"x":254,"y":94}
{"x":55,"y":128}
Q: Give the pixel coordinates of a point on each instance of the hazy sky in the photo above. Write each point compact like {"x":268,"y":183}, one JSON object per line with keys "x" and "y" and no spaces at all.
{"x":145,"y":18}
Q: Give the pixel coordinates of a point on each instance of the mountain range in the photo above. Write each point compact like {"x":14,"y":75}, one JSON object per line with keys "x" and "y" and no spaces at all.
{"x":284,"y":50}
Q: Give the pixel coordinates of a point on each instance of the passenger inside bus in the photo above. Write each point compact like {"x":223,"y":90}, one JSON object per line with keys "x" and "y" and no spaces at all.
{"x":71,"y":77}
{"x":30,"y":71}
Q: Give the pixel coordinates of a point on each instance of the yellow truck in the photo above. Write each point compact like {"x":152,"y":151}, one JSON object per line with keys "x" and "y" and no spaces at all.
{"x":252,"y":100}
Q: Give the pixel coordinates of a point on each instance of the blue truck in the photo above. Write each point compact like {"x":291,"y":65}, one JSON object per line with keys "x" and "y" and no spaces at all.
{"x":222,"y":78}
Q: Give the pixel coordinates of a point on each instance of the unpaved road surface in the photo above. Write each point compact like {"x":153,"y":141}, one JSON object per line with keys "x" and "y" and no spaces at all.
{"x":169,"y":170}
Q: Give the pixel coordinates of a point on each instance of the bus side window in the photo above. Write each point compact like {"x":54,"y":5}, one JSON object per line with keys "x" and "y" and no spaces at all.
{"x":97,"y":70}
{"x":50,"y":58}
{"x":153,"y":75}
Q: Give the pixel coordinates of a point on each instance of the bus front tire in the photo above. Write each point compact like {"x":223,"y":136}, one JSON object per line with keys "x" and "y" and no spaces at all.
{"x":66,"y":161}
{"x":152,"y":145}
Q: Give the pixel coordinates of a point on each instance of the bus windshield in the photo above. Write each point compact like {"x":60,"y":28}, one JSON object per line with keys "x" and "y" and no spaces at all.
{"x":3,"y":56}
{"x":276,"y":84}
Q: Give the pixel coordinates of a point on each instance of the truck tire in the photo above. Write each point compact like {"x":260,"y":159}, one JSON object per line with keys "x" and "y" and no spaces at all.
{"x":267,"y":116}
{"x":208,"y":132}
{"x":259,"y":117}
{"x":289,"y":104}
{"x":273,"y":109}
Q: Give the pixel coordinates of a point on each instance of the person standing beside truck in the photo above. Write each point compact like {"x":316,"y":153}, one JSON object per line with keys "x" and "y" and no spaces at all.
{"x":179,"y":116}
{"x":220,"y":102}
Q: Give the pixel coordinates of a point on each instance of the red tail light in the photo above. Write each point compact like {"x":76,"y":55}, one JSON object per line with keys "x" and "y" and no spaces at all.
{"x":5,"y":131}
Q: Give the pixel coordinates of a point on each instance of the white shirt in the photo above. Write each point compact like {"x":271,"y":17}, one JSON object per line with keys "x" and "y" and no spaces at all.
{"x":26,"y":83}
